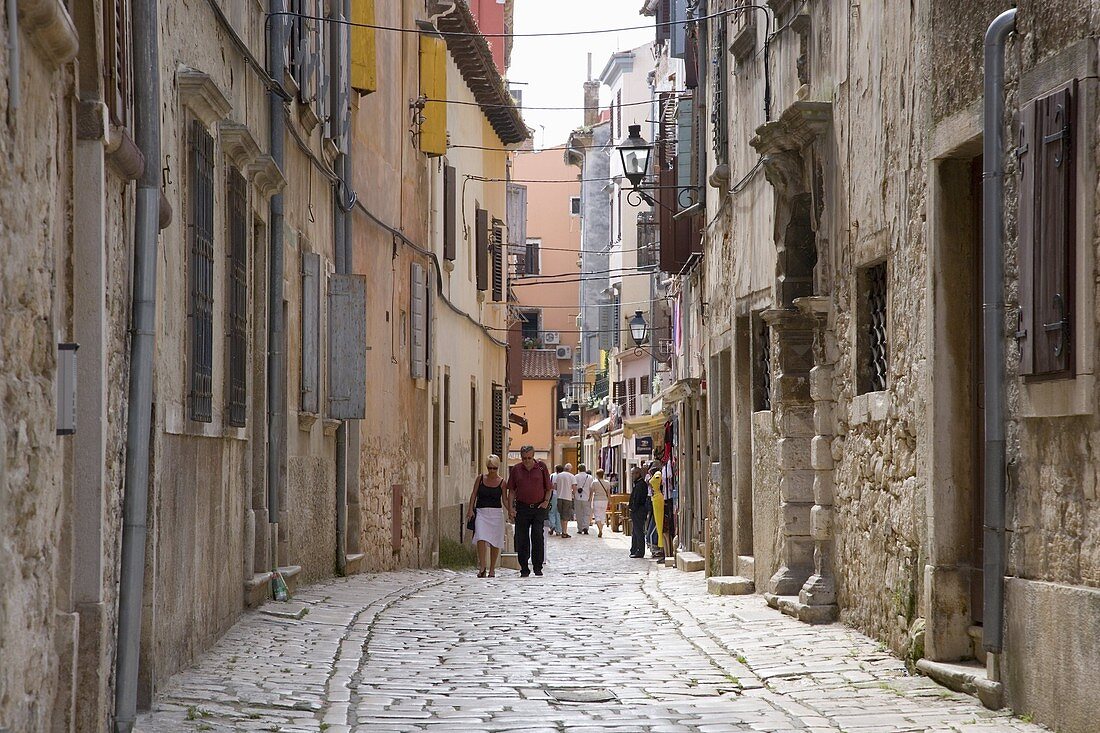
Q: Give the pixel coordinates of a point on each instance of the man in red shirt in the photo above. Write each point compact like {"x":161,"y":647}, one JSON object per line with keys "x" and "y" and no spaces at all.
{"x":529,"y":482}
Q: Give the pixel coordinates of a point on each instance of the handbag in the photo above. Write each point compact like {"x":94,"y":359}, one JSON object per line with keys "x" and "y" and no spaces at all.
{"x":470,"y":523}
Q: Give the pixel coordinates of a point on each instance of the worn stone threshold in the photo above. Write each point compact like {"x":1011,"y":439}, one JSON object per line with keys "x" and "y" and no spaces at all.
{"x":792,"y":606}
{"x":966,"y":677}
{"x":689,"y":562}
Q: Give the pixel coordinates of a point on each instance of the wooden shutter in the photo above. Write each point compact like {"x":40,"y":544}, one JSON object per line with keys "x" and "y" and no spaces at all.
{"x":663,"y":13}
{"x":311,"y":332}
{"x":481,"y":248}
{"x":417,"y":320}
{"x":347,"y":347}
{"x":607,"y":326}
{"x":515,"y":359}
{"x":364,"y":69}
{"x":497,"y":254}
{"x":498,"y":420}
{"x":1046,"y":234}
{"x":666,"y":198}
{"x":449,"y":210}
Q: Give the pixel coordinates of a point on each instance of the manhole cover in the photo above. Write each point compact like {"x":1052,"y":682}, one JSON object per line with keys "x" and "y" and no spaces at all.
{"x":582,"y":694}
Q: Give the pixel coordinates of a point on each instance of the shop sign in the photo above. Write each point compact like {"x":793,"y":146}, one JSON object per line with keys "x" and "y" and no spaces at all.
{"x":643,"y":446}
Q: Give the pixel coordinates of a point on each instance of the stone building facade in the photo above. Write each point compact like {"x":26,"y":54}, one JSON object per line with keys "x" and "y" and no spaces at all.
{"x":844,"y":336}
{"x":250,"y":402}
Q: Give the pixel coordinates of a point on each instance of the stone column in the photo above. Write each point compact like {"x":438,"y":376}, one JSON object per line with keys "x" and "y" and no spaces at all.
{"x":793,"y":410}
{"x":818,"y":595}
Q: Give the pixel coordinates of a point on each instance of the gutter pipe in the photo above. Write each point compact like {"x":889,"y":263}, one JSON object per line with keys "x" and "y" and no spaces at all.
{"x":341,"y":62}
{"x":147,"y":136}
{"x":276,"y":359}
{"x":993,"y":315}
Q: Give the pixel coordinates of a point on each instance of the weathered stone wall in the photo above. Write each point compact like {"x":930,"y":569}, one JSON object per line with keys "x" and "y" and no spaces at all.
{"x":766,"y":533}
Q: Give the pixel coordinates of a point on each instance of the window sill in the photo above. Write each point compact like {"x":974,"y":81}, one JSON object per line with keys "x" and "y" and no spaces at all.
{"x":1062,"y":398}
{"x":306,"y":421}
{"x":51,"y":30}
{"x":869,"y":407}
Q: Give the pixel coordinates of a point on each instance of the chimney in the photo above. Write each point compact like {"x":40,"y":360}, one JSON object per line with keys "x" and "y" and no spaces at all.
{"x":591,"y":98}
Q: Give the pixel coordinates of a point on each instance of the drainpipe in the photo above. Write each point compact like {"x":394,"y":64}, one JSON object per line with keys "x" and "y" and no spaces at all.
{"x":143,"y":329}
{"x":341,"y":63}
{"x":276,"y":359}
{"x":993,"y":330}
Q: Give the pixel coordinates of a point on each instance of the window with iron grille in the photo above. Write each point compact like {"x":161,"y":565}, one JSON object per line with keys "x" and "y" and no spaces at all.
{"x":872,"y":336}
{"x":575,"y":205}
{"x":647,"y":239}
{"x":719,"y":81}
{"x":498,"y":260}
{"x":531,"y":257}
{"x":762,"y":366}
{"x":237,"y":311}
{"x":498,"y":420}
{"x":202,"y":270}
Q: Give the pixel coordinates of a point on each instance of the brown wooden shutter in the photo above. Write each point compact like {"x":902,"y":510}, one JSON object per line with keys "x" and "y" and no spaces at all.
{"x":515,"y":359}
{"x":1026,"y":155}
{"x":666,"y":198}
{"x":1054,"y":262}
{"x":449,"y":209}
{"x":481,"y":247}
{"x":664,"y":14}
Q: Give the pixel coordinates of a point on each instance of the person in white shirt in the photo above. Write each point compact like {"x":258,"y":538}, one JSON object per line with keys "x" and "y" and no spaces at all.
{"x":601,"y":495}
{"x":564,"y":482}
{"x":582,"y":499}
{"x":553,"y":519}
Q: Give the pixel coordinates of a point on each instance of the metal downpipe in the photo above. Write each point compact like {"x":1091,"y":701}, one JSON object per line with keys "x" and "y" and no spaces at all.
{"x":993,"y":316}
{"x":276,"y":360}
{"x":147,"y":135}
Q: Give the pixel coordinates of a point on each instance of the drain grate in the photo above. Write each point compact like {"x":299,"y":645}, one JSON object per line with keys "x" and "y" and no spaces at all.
{"x":581,"y":694}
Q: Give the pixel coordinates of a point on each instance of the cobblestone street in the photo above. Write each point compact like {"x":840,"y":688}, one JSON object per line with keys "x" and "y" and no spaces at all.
{"x":647,"y":648}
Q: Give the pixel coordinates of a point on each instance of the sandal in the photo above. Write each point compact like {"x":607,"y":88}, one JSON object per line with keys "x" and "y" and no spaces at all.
{"x":481,"y":572}
{"x":492,"y":573}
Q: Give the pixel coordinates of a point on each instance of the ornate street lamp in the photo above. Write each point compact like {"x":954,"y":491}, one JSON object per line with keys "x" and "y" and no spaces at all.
{"x":639,"y":329}
{"x":635,"y":153}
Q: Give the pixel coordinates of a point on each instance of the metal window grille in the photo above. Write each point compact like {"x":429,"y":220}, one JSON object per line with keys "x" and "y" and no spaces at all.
{"x":876,"y":327}
{"x":647,"y":239}
{"x":498,"y":260}
{"x":763,"y":380}
{"x":719,"y":128}
{"x":238,"y":297}
{"x":202,"y":271}
{"x":498,"y":420}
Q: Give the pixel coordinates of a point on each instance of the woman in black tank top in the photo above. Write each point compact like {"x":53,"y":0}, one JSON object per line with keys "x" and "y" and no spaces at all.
{"x":488,"y":503}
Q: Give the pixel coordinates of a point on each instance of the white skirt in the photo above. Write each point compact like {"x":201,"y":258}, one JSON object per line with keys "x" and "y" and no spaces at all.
{"x":599,"y":510}
{"x":489,"y":526}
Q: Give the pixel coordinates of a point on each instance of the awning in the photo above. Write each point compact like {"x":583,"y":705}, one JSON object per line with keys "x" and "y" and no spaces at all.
{"x":518,"y":420}
{"x":598,"y":428}
{"x":645,"y":425}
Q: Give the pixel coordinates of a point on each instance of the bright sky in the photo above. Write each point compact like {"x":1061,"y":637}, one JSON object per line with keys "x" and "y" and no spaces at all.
{"x":553,"y":68}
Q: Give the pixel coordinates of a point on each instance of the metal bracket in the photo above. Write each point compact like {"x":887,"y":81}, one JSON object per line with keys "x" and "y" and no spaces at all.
{"x":1062,"y":325}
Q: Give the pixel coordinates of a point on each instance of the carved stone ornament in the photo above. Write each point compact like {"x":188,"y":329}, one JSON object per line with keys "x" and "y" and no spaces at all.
{"x":797,"y":127}
{"x":266,"y":176}
{"x":201,"y":95}
{"x":51,"y":30}
{"x":238,"y":144}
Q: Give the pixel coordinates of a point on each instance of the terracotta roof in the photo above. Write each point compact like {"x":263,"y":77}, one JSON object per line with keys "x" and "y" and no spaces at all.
{"x":540,"y":364}
{"x":474,"y":59}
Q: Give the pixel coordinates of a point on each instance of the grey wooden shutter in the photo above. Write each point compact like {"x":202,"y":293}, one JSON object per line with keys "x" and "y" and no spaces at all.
{"x":677,"y":33}
{"x":607,"y":327}
{"x":429,"y":310}
{"x":311,"y":332}
{"x":1026,"y":155}
{"x":685,"y":138}
{"x":347,"y":371}
{"x":449,"y":210}
{"x":481,"y":248}
{"x":417,"y":312}
{"x":517,"y":218}
{"x":498,"y":420}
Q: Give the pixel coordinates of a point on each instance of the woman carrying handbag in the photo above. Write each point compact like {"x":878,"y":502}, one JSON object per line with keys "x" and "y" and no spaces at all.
{"x":488,"y":503}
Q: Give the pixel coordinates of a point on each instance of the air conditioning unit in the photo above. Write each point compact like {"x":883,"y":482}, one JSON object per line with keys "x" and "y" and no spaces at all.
{"x":564,"y":352}
{"x":551,"y":338}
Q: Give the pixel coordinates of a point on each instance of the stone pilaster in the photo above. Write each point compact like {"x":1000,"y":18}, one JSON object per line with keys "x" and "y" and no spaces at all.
{"x":818,"y":595}
{"x":793,"y":409}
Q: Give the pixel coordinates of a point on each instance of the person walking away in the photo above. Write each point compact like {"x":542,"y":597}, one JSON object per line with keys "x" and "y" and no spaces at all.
{"x":529,"y":484}
{"x":650,"y":524}
{"x":487,"y":508}
{"x":601,"y":495}
{"x":553,"y":518}
{"x":563,"y":487}
{"x":639,"y":498}
{"x":582,"y":499}
{"x":658,"y":500}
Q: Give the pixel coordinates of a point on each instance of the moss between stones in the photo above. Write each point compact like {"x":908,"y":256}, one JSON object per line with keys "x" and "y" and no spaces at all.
{"x":455,"y":555}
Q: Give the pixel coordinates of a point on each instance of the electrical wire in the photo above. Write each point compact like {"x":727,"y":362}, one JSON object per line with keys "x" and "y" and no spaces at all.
{"x":604,"y":278}
{"x":526,"y":107}
{"x":461,"y":34}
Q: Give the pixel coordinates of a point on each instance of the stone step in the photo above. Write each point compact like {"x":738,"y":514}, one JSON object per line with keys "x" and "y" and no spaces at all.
{"x":966,"y":677}
{"x":730,"y":585}
{"x":689,"y":562}
{"x":509,"y":560}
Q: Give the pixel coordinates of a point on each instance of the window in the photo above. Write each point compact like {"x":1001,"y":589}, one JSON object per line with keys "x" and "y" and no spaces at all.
{"x":647,"y":239}
{"x":532,"y":258}
{"x":619,"y":113}
{"x":530,"y":325}
{"x":497,"y":255}
{"x":237,"y":311}
{"x":1046,"y":234}
{"x":871,"y":343}
{"x":201,"y":155}
{"x":761,"y":344}
{"x":498,"y":420}
{"x":575,"y":205}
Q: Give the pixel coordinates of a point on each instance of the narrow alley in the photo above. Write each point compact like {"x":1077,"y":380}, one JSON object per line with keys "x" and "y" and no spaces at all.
{"x":601,"y":642}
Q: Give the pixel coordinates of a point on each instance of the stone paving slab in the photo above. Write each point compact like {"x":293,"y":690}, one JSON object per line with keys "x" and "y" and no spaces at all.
{"x":442,"y":651}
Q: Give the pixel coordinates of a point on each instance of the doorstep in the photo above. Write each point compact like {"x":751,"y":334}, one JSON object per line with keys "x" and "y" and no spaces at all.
{"x":353,"y":563}
{"x":257,"y":590}
{"x":689,"y":562}
{"x":804,"y":612}
{"x":730,"y":585}
{"x":509,"y":560}
{"x":968,"y":677}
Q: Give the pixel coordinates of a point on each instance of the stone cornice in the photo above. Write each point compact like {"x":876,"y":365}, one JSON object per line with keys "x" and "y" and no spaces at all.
{"x":266,"y":176}
{"x":201,"y":95}
{"x":238,"y":144}
{"x":798,"y":126}
{"x":50,"y":28}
